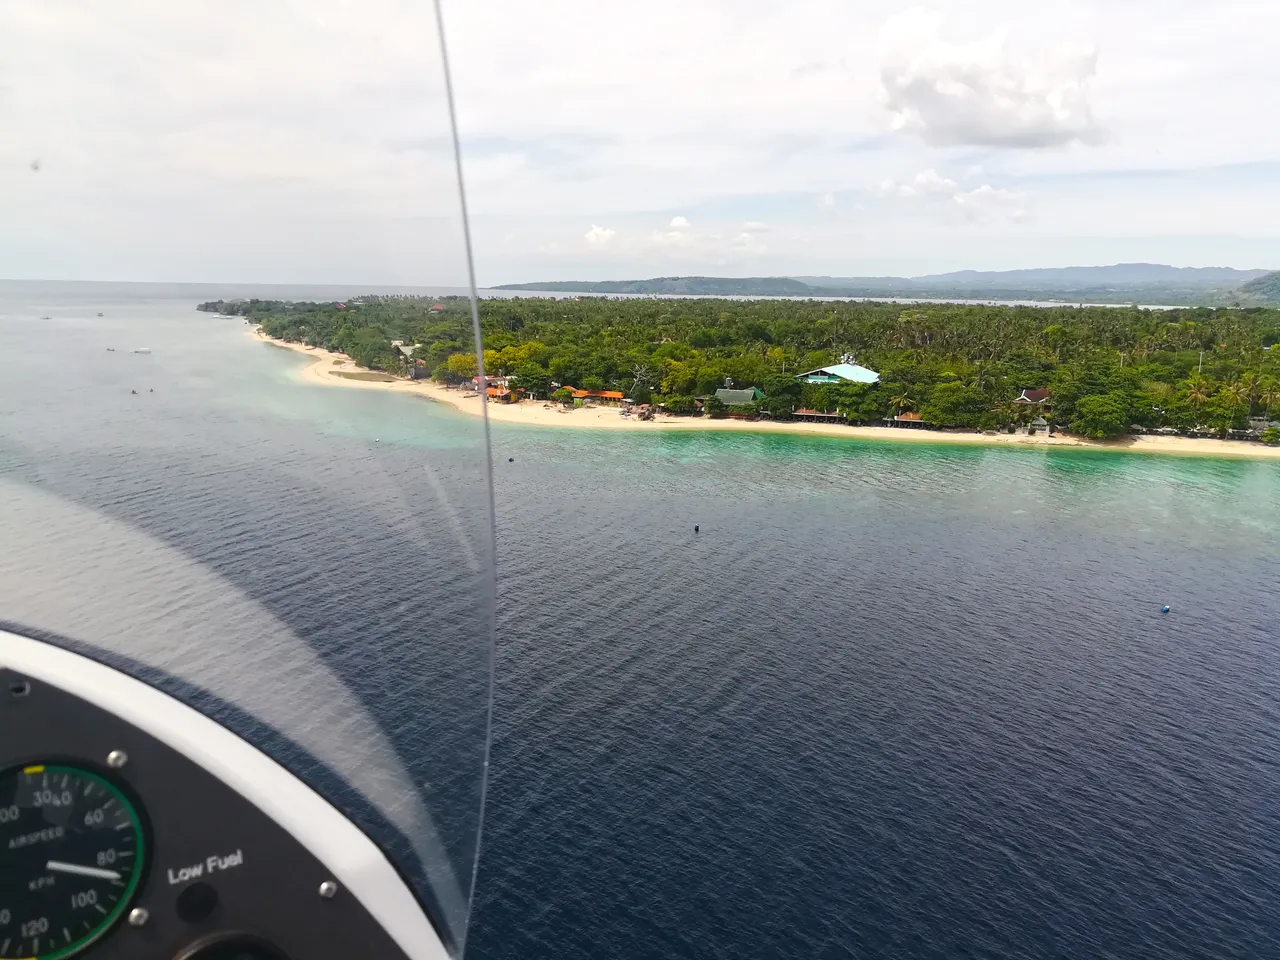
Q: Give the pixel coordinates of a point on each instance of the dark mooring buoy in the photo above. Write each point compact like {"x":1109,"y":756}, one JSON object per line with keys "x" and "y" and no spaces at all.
{"x":511,"y":459}
{"x":695,"y":528}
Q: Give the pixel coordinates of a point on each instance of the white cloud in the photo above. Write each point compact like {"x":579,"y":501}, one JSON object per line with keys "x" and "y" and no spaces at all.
{"x":927,"y":183}
{"x":599,"y":236}
{"x":197,"y":141}
{"x":981,"y":92}
{"x":988,"y":201}
{"x":984,"y":202}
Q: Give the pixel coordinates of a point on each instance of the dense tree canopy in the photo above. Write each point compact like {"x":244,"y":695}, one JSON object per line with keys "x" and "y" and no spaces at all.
{"x":959,"y":365}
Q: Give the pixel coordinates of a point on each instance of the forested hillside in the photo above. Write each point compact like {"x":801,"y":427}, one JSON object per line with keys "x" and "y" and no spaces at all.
{"x":1264,"y":289}
{"x":960,"y":366}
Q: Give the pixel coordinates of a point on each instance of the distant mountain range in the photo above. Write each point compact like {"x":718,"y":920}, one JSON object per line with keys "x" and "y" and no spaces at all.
{"x":1120,"y":283}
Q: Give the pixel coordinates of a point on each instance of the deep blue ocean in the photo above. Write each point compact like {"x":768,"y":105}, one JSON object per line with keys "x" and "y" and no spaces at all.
{"x":891,"y":700}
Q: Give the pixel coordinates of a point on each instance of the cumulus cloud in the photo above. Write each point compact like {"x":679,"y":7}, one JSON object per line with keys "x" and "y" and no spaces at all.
{"x":710,"y":245}
{"x":679,"y":233}
{"x":981,"y":92}
{"x":978,"y":203}
{"x":927,"y":183}
{"x":599,"y":236}
{"x":747,"y":243}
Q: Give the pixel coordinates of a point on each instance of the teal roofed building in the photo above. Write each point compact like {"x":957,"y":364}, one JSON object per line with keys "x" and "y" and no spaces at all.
{"x":840,"y":373}
{"x":737,"y":398}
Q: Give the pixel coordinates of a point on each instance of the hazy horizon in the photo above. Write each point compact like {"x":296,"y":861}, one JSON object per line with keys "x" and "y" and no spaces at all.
{"x":592,"y":279}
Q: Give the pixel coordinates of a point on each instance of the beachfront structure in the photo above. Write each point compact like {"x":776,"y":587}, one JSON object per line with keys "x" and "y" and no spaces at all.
{"x":908,"y":418}
{"x":598,"y":396}
{"x":739,"y":398}
{"x":840,"y":373}
{"x":818,"y":416}
{"x":1030,"y":397}
{"x":1038,"y":427}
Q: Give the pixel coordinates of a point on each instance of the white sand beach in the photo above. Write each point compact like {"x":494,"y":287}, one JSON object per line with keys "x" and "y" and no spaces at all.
{"x":329,"y":369}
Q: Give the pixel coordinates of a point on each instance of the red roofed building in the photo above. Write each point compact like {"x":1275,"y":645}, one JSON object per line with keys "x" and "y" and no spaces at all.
{"x":1033,"y":396}
{"x":607,"y":396}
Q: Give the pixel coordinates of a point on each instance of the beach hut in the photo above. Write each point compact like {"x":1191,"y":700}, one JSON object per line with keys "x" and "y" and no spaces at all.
{"x":739,"y":398}
{"x":818,"y":416}
{"x":908,"y":418}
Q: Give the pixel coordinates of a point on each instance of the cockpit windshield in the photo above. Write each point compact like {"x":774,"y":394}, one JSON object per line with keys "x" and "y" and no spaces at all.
{"x":196,"y":486}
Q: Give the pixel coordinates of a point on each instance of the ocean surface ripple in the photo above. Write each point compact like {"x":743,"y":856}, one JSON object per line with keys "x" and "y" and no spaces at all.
{"x":890,"y":701}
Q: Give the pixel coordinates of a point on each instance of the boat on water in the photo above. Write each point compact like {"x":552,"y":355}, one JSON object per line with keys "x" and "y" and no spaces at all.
{"x":99,"y":313}
{"x":46,"y":317}
{"x":142,"y":350}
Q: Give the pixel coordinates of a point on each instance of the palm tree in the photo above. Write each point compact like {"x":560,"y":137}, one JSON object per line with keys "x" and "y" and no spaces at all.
{"x":1197,"y":393}
{"x":1238,"y":393}
{"x":1269,"y":392}
{"x":1252,"y":384}
{"x":983,"y":379}
{"x":903,"y":400}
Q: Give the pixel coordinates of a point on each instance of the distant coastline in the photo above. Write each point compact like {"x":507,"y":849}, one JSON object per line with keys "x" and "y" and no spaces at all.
{"x":338,"y":370}
{"x":1154,"y":285}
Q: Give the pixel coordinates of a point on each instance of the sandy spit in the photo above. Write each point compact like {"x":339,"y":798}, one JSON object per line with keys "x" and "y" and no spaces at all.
{"x":539,"y":413}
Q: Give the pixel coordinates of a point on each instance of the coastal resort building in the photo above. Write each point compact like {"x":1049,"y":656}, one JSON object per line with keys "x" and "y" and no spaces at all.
{"x":739,"y":398}
{"x":610,"y":397}
{"x":1037,"y":397}
{"x":818,"y":416}
{"x":909,"y":419}
{"x":404,"y":353}
{"x":840,"y":373}
{"x":500,"y":395}
{"x":1039,"y":427}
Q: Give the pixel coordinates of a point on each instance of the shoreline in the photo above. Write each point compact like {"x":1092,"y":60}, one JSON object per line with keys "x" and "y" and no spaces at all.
{"x":544,"y":414}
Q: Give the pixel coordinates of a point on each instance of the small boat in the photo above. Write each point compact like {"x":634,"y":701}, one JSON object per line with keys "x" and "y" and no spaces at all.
{"x":99,"y":313}
{"x":46,"y":317}
{"x":111,"y":349}
{"x":142,"y":350}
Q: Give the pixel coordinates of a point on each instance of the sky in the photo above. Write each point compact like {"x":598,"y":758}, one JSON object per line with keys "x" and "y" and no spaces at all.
{"x":308,"y":141}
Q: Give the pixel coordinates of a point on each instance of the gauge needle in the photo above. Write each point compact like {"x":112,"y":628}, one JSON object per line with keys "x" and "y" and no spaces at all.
{"x":57,"y":866}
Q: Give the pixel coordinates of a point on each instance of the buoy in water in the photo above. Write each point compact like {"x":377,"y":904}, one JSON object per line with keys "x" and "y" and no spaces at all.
{"x":695,"y":528}
{"x":134,"y":392}
{"x":511,"y":459}
{"x":1164,"y":609}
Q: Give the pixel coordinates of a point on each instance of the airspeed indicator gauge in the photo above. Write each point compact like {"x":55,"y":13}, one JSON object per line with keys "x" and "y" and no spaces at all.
{"x":72,"y":851}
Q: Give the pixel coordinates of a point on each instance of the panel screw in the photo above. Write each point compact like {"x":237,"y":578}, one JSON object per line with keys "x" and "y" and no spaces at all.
{"x":117,"y":759}
{"x":328,"y":889}
{"x":139,"y":916}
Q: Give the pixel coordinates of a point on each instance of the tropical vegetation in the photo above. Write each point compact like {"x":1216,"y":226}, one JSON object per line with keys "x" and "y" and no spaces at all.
{"x":957,"y":365}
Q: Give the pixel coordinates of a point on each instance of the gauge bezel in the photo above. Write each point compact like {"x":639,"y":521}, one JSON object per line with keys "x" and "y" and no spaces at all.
{"x":133,"y":805}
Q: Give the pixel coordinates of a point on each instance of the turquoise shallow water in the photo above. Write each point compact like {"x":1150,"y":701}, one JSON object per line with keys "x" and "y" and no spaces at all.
{"x":891,"y":700}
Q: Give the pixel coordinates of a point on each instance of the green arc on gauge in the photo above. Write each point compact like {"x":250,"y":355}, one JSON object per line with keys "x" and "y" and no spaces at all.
{"x":113,"y":916}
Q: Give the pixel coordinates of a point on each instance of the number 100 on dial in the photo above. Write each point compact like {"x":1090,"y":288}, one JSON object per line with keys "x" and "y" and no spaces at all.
{"x":72,"y":854}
